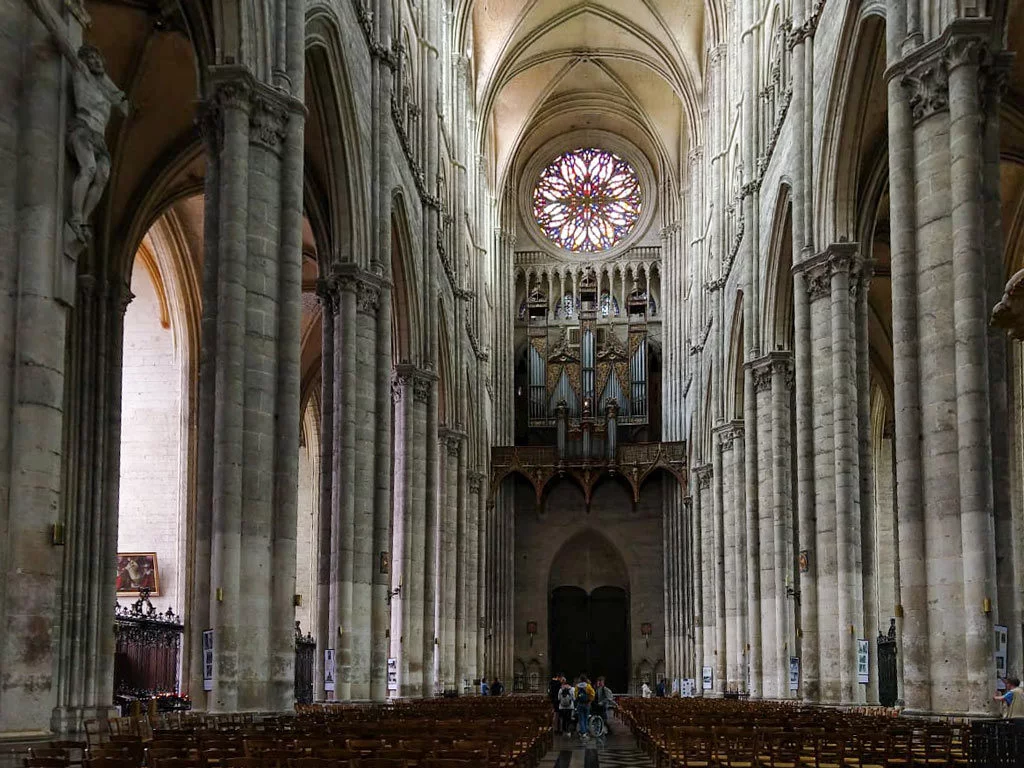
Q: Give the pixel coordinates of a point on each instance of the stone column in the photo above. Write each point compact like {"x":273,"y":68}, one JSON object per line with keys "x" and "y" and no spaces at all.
{"x":761,"y":375}
{"x":37,"y":284}
{"x":364,"y":559}
{"x":964,"y":55}
{"x":327,"y":292}
{"x":484,"y":571}
{"x":448,"y":552}
{"x":343,"y":478}
{"x":719,"y":573}
{"x":810,"y":674}
{"x":461,"y":567}
{"x":708,"y":566}
{"x":433,"y":488}
{"x":936,"y":336}
{"x":782,"y":515}
{"x":912,"y":610}
{"x":846,"y":450}
{"x":380,"y":603}
{"x":249,"y":393}
{"x":92,"y":474}
{"x":471,"y":616}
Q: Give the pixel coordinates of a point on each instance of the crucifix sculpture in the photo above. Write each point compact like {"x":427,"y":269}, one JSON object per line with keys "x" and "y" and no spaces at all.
{"x":94,"y":96}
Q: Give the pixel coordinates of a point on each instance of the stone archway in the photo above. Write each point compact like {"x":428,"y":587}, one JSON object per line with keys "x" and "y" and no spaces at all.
{"x":588,"y":611}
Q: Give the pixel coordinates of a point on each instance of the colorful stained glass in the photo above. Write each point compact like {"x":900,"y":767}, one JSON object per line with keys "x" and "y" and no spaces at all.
{"x":587,"y":200}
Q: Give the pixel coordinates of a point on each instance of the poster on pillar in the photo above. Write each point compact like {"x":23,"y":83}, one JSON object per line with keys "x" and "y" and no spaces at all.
{"x":707,"y":679}
{"x":1000,"y":646}
{"x":794,"y":673}
{"x":329,"y":669}
{"x":862,"y":661}
{"x":208,"y":660}
{"x":392,"y":675}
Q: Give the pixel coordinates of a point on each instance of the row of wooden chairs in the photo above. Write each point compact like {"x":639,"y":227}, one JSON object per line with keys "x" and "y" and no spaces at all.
{"x":723,"y":734}
{"x":482,"y":733}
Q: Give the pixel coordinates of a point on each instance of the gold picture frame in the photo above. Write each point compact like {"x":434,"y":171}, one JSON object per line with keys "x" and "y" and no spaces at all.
{"x":136,"y":571}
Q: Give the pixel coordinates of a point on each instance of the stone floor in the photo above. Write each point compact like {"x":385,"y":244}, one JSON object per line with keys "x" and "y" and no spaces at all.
{"x":615,"y":751}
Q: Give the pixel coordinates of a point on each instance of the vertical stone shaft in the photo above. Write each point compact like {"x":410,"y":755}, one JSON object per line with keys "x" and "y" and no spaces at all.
{"x":228,"y":417}
{"x":762,"y":383}
{"x":430,"y":543}
{"x":210,"y":126}
{"x":262,"y":308}
{"x":868,"y":513}
{"x":847,"y":481}
{"x":328,"y":295}
{"x":935,"y":331}
{"x":810,"y":682}
{"x":286,"y":421}
{"x":830,"y":642}
{"x":484,"y":570}
{"x":365,"y":562}
{"x":970,"y":319}
{"x":380,"y":606}
{"x":741,"y":647}
{"x":913,"y":625}
{"x":1009,"y":612}
{"x":718,"y":517}
{"x":344,"y":496}
{"x":413,"y":588}
{"x":782,"y":515}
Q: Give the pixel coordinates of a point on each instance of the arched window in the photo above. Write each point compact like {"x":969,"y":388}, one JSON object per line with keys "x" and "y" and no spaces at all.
{"x":587,"y":200}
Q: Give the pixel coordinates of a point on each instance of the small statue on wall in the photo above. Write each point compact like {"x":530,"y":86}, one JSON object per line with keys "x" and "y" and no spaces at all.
{"x":94,"y":96}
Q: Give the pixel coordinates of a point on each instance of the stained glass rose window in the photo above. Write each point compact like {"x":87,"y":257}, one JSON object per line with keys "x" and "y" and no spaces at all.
{"x":587,"y":200}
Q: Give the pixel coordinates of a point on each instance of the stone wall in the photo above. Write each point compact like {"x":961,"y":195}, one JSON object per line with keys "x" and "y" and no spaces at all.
{"x":636,"y":534}
{"x":150,"y":513}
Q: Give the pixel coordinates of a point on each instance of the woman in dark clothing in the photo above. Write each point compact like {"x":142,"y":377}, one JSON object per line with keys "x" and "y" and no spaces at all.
{"x":553,"y":689}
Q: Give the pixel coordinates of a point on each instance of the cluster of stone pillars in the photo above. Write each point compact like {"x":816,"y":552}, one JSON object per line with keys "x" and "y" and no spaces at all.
{"x":785,"y":527}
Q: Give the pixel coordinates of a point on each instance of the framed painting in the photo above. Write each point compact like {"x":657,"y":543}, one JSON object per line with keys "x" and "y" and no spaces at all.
{"x":137,"y":571}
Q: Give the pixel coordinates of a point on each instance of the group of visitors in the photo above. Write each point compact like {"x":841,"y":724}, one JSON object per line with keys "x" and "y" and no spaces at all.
{"x":493,"y":688}
{"x":580,"y":701}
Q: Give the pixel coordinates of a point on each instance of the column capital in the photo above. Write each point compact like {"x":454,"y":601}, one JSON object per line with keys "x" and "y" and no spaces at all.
{"x":728,"y":432}
{"x":761,"y":371}
{"x":327,"y":294}
{"x":475,"y":480}
{"x":703,"y":474}
{"x":452,"y":439}
{"x":420,"y":379}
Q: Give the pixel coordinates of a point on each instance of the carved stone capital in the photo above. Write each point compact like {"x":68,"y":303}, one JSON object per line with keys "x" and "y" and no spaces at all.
{"x":927,"y":86}
{"x":703,"y":475}
{"x":327,"y":294}
{"x":398,"y":385}
{"x":475,"y":482}
{"x":761,"y":372}
{"x":267,"y":121}
{"x":210,"y":123}
{"x":367,"y":298}
{"x":966,"y":50}
{"x":817,"y":274}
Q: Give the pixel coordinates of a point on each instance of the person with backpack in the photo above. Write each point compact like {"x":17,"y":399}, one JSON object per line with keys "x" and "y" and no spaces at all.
{"x":566,"y":702}
{"x":584,"y":695}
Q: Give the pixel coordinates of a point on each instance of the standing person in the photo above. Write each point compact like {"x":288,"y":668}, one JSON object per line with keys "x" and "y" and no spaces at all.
{"x":584,"y":695}
{"x":660,"y":689}
{"x":1013,"y":699}
{"x":484,"y":688}
{"x":645,"y":690}
{"x":496,"y":687}
{"x":604,"y":702}
{"x":565,"y":702}
{"x":554,"y":687}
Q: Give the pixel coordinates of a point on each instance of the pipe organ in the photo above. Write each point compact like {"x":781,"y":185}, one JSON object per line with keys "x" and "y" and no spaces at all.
{"x":586,"y":368}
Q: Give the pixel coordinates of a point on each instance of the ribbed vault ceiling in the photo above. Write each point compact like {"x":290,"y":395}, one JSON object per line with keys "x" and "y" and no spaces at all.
{"x":546,"y":67}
